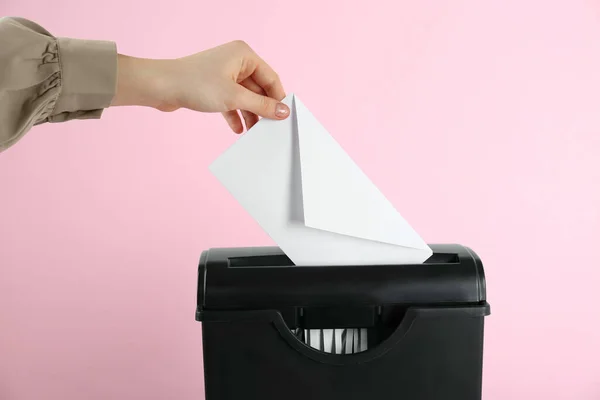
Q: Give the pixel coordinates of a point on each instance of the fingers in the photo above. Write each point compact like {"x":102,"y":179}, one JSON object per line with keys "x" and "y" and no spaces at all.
{"x":249,"y":118}
{"x":268,"y":79}
{"x":260,"y":105}
{"x":250,"y":84}
{"x":263,"y":74}
{"x":258,"y":92}
{"x":234,"y":121}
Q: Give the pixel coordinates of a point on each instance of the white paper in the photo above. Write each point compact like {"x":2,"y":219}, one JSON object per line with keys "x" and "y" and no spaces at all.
{"x":347,"y":341}
{"x":309,"y":196}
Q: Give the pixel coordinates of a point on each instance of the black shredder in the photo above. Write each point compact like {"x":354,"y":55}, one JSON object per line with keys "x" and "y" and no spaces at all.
{"x":274,"y":330}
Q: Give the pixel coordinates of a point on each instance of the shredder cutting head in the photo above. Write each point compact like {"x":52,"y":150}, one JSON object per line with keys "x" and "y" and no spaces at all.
{"x":273,"y":329}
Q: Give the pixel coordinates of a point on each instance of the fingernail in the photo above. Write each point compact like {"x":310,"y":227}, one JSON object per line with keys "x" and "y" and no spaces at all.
{"x":281,"y":110}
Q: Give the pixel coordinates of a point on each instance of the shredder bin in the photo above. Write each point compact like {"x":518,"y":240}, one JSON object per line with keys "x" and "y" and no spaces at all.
{"x":425,"y":327}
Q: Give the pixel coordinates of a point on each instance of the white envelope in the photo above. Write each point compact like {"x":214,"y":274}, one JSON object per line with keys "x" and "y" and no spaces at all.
{"x":310,"y":197}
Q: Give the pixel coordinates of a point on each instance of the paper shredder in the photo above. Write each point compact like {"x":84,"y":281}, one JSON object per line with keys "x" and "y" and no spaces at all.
{"x":421,"y":327}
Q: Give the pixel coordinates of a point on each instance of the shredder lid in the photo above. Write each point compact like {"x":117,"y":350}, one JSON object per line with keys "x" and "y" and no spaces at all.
{"x":265,"y":278}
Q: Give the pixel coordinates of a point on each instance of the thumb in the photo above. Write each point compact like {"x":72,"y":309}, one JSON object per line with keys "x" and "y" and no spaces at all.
{"x":260,"y":105}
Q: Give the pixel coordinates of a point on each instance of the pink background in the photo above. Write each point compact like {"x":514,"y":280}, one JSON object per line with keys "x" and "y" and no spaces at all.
{"x":480,"y":120}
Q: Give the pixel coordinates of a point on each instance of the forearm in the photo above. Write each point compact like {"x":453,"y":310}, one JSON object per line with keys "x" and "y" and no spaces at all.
{"x":141,"y":82}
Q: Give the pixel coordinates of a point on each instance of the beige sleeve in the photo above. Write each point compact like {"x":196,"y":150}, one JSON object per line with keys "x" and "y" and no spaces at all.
{"x":49,"y":79}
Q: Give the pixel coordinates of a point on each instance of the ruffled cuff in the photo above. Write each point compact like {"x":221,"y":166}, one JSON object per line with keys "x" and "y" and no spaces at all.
{"x":89,"y":78}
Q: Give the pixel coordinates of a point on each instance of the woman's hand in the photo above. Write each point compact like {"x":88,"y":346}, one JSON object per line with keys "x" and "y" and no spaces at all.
{"x":223,"y":79}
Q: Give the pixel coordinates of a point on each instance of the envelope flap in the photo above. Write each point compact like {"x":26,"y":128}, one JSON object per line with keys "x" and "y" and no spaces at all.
{"x":337,"y":196}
